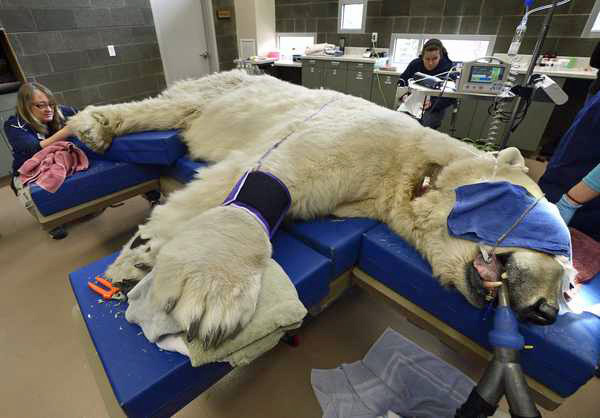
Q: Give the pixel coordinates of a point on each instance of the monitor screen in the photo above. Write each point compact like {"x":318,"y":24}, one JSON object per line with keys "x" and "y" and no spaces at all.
{"x":486,"y":73}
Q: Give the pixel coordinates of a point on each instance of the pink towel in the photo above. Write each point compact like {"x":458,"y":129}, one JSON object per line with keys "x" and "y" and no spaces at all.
{"x":586,"y":255}
{"x":50,"y":166}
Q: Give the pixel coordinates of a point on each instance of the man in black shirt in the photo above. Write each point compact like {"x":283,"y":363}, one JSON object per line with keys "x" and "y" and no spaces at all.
{"x":432,"y":61}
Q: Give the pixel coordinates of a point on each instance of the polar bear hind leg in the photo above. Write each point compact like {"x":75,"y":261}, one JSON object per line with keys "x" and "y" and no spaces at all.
{"x":207,"y":191}
{"x":209,"y":275}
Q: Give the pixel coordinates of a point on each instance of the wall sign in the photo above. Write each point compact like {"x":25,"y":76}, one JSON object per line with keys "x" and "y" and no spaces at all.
{"x":224,"y":13}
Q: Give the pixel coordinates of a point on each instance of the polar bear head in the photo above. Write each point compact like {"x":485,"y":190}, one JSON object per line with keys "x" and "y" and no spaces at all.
{"x":533,"y":278}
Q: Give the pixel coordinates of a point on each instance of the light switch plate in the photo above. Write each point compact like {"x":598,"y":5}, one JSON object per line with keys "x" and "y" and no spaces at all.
{"x":111,"y":51}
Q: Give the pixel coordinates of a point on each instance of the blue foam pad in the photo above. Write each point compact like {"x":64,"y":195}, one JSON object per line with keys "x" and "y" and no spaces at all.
{"x":565,"y":353}
{"x":184,"y":169}
{"x":150,"y":147}
{"x":149,"y":382}
{"x":309,"y":271}
{"x":337,"y":239}
{"x":145,"y":380}
{"x":100,"y":179}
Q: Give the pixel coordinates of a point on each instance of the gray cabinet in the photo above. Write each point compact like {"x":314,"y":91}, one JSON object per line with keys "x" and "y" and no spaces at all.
{"x":334,"y":75}
{"x":312,"y":73}
{"x":359,"y":83}
{"x":335,"y":79}
{"x":344,"y":76}
{"x":312,"y":77}
{"x":383,"y":89}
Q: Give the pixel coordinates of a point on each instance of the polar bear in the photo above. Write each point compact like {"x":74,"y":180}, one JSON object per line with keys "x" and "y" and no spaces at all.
{"x":338,"y":155}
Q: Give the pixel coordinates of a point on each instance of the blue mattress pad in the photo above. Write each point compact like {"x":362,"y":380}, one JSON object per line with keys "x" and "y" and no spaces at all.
{"x":184,"y":169}
{"x":565,"y":354}
{"x":149,"y":147}
{"x":150,"y":382}
{"x":337,"y":239}
{"x":102,"y":178}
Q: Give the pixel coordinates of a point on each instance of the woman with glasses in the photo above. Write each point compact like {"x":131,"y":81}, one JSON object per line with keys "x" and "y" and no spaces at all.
{"x":38,"y":122}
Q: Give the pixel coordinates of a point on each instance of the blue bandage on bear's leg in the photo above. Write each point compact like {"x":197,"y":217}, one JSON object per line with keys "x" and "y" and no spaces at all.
{"x":264,"y":196}
{"x":592,"y":179}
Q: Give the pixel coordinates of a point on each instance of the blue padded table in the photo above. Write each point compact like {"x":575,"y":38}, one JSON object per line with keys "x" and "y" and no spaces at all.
{"x":184,"y":169}
{"x":337,"y":239}
{"x":149,"y":147}
{"x":149,"y":382}
{"x":565,"y":354}
{"x":85,"y":186}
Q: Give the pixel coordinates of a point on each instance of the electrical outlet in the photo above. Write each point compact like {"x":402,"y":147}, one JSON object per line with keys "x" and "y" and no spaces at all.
{"x":111,"y":51}
{"x":374,"y":37}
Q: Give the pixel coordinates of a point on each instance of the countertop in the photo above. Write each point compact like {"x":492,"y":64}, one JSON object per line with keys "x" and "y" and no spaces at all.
{"x":582,"y":71}
{"x":562,"y":72}
{"x":353,"y":58}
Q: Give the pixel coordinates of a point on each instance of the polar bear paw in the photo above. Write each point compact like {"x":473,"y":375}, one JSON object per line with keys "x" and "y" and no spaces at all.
{"x":135,"y":260}
{"x":93,"y":128}
{"x":209,"y":276}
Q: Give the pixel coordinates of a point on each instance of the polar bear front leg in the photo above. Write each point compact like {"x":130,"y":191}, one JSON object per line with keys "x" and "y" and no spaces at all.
{"x":209,"y":275}
{"x":97,"y":125}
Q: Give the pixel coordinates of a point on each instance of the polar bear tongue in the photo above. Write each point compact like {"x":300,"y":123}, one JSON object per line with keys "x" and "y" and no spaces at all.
{"x":487,"y":271}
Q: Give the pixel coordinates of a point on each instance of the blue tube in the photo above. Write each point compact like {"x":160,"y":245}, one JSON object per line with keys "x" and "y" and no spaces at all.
{"x":506,"y":330}
{"x":528,"y":3}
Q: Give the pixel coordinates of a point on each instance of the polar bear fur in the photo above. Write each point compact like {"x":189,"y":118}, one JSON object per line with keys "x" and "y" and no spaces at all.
{"x":343,"y":156}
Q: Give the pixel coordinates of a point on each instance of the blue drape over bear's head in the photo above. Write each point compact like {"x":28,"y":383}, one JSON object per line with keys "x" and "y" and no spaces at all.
{"x":483,"y":212}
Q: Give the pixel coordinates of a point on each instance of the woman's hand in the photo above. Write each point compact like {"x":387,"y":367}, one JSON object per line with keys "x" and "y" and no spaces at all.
{"x":61,"y":135}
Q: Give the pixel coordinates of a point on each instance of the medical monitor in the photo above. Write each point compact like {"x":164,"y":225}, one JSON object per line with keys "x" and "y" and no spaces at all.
{"x":486,"y":73}
{"x":479,"y":77}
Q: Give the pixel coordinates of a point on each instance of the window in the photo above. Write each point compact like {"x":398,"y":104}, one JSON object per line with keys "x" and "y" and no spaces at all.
{"x":592,"y":27}
{"x":290,"y":44}
{"x":352,"y":16}
{"x":407,"y":47}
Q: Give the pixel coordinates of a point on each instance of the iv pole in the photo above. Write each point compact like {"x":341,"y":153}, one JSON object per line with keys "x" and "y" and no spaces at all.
{"x":534,"y":58}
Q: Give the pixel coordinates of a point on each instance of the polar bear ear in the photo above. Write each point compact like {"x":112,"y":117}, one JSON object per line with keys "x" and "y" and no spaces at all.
{"x":512,"y":156}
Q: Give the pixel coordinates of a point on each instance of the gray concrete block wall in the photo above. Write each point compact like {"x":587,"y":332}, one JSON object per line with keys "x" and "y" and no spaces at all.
{"x":225,"y":32}
{"x":485,"y":17}
{"x":62,"y":44}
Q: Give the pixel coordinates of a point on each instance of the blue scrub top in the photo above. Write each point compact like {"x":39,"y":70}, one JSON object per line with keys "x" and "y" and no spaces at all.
{"x":25,"y":141}
{"x":577,"y":154}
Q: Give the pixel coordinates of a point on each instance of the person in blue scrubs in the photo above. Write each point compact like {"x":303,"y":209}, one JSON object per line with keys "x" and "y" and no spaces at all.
{"x":432,"y":61}
{"x":38,"y":123}
{"x":584,"y":191}
{"x":572,"y":178}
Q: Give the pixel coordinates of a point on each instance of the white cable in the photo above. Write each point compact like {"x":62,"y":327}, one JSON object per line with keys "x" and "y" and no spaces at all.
{"x":537,"y":9}
{"x":431,"y":76}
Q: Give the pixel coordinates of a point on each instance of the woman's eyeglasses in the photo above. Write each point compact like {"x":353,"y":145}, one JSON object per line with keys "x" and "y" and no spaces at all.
{"x":42,"y":105}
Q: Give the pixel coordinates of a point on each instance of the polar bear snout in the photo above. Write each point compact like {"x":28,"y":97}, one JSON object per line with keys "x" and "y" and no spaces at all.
{"x":541,"y":313}
{"x":532,"y":279}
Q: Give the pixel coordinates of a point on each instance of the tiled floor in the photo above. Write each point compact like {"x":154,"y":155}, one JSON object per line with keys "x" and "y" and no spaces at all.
{"x":43,"y":368}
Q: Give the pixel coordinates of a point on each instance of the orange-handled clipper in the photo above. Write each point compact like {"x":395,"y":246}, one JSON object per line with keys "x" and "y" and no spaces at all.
{"x":107,"y":293}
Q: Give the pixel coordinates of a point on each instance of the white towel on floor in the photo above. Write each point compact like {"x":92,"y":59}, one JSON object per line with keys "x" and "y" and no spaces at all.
{"x":395,"y":375}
